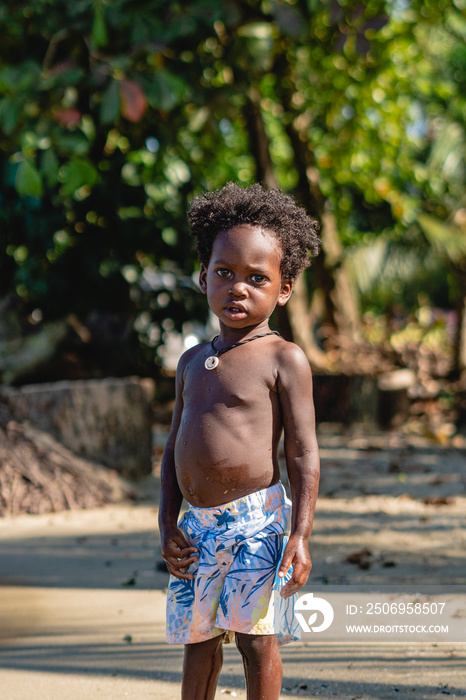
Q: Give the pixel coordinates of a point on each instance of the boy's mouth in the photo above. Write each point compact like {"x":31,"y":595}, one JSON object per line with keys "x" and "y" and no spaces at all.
{"x":235,"y":310}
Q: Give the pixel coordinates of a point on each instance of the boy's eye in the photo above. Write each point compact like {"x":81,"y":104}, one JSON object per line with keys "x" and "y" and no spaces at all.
{"x":258,"y":279}
{"x":223,"y":273}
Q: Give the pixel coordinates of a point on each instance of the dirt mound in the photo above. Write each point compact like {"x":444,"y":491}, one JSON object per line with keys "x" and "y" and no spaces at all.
{"x":39,"y":475}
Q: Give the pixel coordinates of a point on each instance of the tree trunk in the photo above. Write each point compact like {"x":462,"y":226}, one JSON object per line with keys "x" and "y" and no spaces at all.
{"x":459,"y":360}
{"x":302,"y":323}
{"x":340,"y":299}
{"x":259,"y":141}
{"x":295,"y":317}
{"x":342,"y":294}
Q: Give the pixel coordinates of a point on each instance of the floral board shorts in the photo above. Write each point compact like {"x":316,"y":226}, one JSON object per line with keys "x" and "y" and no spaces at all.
{"x":235,"y":586}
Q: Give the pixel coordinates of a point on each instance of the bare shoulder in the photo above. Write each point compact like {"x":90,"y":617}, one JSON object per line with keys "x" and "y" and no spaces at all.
{"x":293,"y":371}
{"x":291,"y":359}
{"x":188,"y":356}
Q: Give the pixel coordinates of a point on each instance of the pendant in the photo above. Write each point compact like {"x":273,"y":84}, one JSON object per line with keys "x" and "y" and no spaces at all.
{"x":211,"y":362}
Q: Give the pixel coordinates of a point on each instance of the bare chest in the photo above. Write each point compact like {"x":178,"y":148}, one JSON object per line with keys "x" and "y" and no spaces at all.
{"x":240,"y":379}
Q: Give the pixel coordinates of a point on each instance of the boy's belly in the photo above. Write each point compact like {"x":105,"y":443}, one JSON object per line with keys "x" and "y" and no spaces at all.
{"x":216,"y":464}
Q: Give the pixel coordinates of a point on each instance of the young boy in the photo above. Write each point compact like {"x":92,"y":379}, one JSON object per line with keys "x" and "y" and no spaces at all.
{"x":241,"y":542}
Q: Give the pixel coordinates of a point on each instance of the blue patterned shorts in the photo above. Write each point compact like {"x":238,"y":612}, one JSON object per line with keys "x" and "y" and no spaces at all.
{"x":235,"y":587}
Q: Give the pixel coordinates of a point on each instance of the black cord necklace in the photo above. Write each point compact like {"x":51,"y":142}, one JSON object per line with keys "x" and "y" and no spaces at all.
{"x":213,"y":361}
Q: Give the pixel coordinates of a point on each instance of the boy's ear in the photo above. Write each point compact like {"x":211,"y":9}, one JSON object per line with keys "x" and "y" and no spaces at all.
{"x":203,"y":279}
{"x":285,"y":292}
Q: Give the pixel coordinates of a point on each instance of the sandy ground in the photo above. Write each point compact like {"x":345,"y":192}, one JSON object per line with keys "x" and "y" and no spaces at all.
{"x":82,"y":600}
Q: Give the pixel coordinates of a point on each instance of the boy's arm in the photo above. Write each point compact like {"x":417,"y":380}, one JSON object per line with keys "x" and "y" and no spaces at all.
{"x":176,"y":551}
{"x":302,"y":461}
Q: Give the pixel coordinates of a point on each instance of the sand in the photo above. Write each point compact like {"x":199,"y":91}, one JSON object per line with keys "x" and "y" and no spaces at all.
{"x":82,"y":604}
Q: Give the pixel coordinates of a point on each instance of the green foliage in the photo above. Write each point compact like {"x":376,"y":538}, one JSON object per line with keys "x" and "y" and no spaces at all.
{"x":112,"y":114}
{"x":28,"y":181}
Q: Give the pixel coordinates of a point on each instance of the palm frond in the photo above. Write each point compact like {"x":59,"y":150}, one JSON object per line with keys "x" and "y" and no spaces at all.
{"x":447,"y":239}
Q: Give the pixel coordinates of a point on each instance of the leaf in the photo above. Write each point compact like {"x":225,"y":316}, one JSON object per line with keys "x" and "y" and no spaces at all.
{"x":68,"y":117}
{"x":99,"y":34}
{"x":76,"y":173}
{"x":130,"y":582}
{"x":66,"y":73}
{"x":447,"y":153}
{"x":165,"y":90}
{"x":110,"y":107}
{"x":8,"y":116}
{"x":313,"y":5}
{"x":49,"y":167}
{"x":28,"y":181}
{"x":72,"y":142}
{"x":133,"y":100}
{"x":446,"y":238}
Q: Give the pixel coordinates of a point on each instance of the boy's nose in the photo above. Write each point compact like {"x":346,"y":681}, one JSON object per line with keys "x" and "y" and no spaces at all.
{"x":237,"y":289}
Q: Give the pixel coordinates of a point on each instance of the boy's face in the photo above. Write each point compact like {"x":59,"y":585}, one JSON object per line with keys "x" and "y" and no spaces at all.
{"x":243,"y":280}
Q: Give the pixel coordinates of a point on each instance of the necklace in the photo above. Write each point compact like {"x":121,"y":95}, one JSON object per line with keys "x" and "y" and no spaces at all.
{"x":213,"y":361}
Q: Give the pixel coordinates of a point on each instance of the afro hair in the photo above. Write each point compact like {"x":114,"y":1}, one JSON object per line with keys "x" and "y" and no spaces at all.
{"x":232,"y":206}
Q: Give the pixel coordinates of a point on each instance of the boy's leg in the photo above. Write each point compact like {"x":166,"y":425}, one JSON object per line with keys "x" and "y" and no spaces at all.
{"x":201,"y":669}
{"x":262,"y":665}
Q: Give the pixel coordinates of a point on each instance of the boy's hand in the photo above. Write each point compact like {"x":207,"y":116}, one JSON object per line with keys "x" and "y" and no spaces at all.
{"x":177,"y":553}
{"x":297,"y":554}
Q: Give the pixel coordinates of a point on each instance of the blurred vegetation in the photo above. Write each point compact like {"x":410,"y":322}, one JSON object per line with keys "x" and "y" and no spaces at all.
{"x":113,"y":114}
